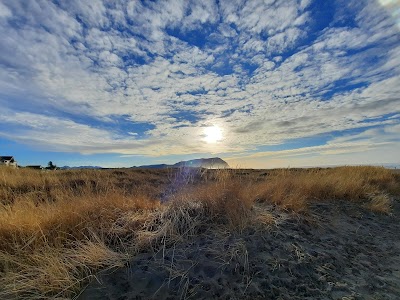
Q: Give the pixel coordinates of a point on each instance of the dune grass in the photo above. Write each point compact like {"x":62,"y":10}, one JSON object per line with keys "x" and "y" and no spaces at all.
{"x":57,"y":228}
{"x":296,"y":189}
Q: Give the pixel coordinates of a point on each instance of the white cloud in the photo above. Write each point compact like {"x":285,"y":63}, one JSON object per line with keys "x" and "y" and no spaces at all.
{"x":5,"y":12}
{"x":374,"y":146}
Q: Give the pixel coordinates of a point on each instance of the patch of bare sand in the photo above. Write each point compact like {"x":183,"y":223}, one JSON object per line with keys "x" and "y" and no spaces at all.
{"x":337,"y":251}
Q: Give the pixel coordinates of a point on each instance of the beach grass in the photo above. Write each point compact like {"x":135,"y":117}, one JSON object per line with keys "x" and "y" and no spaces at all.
{"x":58,"y":228}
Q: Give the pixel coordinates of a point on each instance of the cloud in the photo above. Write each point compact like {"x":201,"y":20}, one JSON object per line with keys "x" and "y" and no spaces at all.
{"x":375,"y":146}
{"x":261,"y":70}
{"x":5,"y":12}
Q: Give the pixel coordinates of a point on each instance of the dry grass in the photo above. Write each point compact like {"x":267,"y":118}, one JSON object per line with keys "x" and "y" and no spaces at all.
{"x":295,"y":189}
{"x":58,"y":228}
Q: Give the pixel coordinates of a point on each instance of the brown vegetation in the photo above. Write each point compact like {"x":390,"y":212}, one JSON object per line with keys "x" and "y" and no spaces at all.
{"x":57,"y":228}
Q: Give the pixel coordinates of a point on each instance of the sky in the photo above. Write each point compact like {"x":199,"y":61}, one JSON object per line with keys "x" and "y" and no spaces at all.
{"x":261,"y":84}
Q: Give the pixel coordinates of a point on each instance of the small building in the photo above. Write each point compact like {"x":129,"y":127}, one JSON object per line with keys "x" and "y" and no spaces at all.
{"x":8,"y":161}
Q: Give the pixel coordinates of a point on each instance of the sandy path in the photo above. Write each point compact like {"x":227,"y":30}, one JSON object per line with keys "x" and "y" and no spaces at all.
{"x":339,"y":251}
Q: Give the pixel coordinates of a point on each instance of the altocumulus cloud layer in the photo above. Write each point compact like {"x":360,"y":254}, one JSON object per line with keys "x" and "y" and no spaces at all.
{"x":141,"y":77}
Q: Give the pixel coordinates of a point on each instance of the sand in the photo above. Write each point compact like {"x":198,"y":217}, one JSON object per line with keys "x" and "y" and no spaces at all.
{"x":335,"y":251}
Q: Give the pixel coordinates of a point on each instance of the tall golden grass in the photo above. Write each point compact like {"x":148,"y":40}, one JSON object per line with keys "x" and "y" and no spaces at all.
{"x":57,"y":228}
{"x":294,"y":189}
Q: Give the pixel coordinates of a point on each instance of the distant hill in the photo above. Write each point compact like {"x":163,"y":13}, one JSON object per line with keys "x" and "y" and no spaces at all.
{"x":208,"y":163}
{"x":80,"y":167}
{"x":160,"y":166}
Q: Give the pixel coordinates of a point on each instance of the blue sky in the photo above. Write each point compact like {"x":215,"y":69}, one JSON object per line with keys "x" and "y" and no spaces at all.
{"x":123,"y":83}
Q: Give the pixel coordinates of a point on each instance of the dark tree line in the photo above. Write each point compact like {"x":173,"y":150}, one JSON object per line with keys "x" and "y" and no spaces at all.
{"x":51,"y":166}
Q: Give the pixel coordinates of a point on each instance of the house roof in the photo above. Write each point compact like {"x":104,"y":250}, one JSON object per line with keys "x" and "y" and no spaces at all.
{"x":4,"y":158}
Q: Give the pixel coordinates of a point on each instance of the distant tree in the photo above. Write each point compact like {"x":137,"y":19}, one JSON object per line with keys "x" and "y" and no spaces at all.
{"x":51,"y":166}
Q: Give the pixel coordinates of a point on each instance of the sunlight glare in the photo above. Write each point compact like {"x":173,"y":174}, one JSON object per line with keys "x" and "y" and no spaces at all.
{"x":213,"y":134}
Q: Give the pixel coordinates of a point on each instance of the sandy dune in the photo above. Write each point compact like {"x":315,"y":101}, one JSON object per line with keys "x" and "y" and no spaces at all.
{"x":336,"y":251}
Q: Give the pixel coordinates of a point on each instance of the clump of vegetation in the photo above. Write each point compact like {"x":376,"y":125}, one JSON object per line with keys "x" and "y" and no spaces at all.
{"x":295,"y":189}
{"x":51,"y":166}
{"x":59,"y":227}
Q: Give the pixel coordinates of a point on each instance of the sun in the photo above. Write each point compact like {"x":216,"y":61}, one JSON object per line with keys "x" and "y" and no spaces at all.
{"x":212,"y":134}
